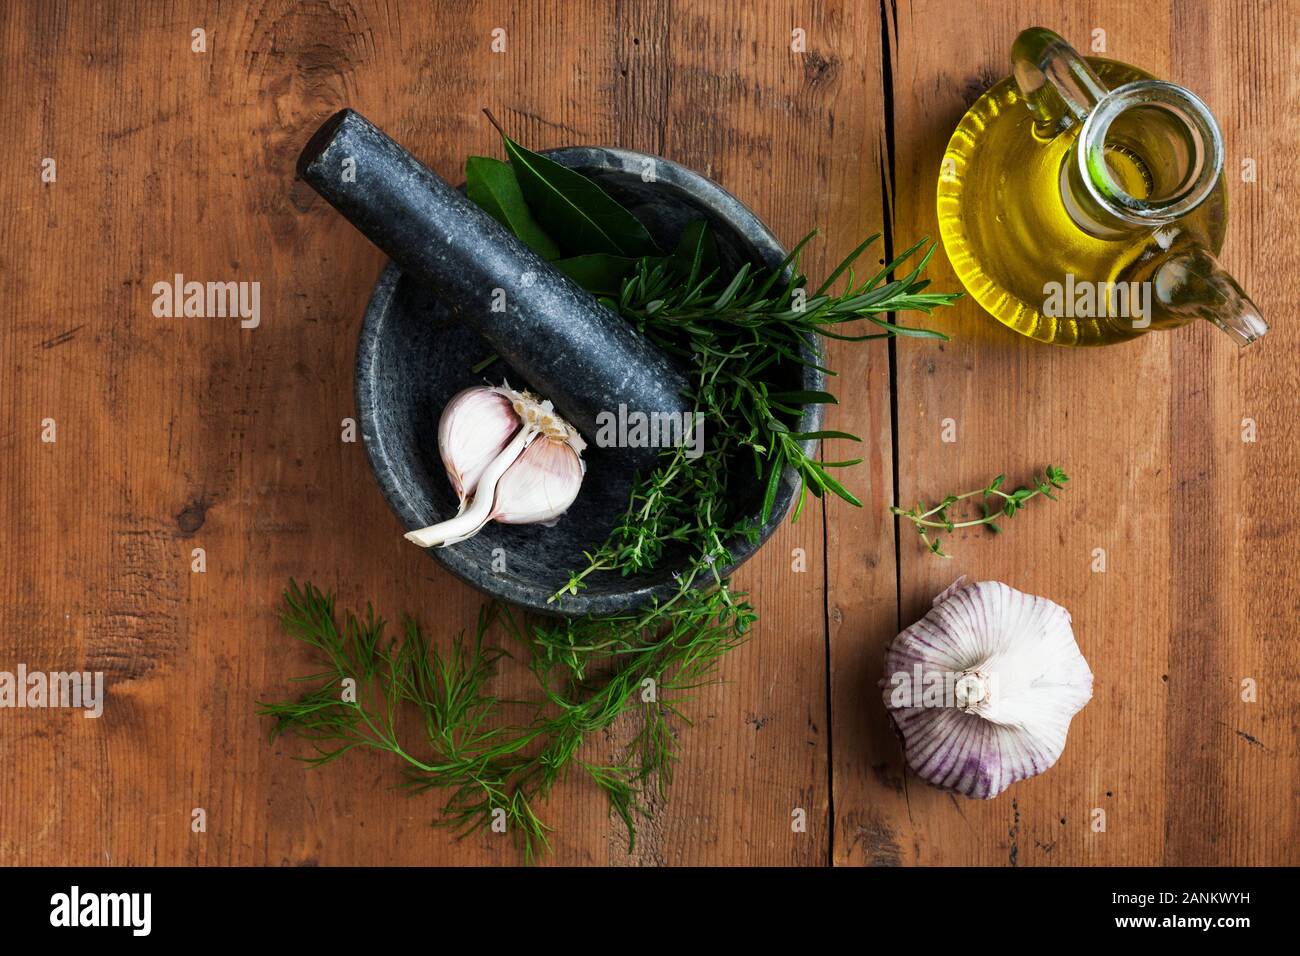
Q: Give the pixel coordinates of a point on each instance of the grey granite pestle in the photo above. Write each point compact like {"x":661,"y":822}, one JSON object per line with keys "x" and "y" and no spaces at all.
{"x":566,"y":346}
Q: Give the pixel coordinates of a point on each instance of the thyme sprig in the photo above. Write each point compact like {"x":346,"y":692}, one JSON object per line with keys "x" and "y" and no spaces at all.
{"x":1006,"y":505}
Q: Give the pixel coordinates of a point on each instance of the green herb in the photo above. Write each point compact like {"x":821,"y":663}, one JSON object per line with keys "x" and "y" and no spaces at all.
{"x":491,"y":185}
{"x":581,"y":216}
{"x":1005,"y":505}
{"x":697,"y":252}
{"x":735,"y":334}
{"x":478,"y":367}
{"x":464,"y":742}
{"x":598,"y":273}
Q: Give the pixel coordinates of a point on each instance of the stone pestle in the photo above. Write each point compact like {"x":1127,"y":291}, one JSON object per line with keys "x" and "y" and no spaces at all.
{"x":566,"y":346}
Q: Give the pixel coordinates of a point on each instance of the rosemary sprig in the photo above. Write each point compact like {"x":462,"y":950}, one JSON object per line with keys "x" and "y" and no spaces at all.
{"x":738,"y":331}
{"x":1006,"y":505}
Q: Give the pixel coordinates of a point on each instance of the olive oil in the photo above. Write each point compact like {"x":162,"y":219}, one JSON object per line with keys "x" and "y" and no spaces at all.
{"x":1009,"y":213}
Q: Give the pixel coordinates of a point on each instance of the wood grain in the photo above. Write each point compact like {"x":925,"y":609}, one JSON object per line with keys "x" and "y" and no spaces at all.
{"x":176,"y":434}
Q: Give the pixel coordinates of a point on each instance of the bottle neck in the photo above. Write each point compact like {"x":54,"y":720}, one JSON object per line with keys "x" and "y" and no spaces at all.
{"x":1147,"y":155}
{"x":1088,"y":210}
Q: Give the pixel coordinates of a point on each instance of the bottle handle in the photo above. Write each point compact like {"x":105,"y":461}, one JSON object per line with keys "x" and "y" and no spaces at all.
{"x":1059,"y":87}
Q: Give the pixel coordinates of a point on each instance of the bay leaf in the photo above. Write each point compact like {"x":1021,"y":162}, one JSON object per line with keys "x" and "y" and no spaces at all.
{"x":696,"y":254}
{"x":599,"y":273}
{"x":581,"y":216}
{"x":491,"y":185}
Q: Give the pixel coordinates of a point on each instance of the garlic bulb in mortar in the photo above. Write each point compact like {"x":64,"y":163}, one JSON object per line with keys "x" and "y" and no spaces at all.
{"x":533,"y":477}
{"x":983,"y":687}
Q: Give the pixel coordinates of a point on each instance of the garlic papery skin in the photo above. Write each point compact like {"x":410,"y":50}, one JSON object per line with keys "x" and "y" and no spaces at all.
{"x":541,"y":415}
{"x":540,"y":485}
{"x":474,"y":428}
{"x":983,"y":688}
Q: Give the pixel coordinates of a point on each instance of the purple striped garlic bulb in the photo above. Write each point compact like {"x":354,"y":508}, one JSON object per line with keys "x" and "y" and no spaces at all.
{"x":983,"y":687}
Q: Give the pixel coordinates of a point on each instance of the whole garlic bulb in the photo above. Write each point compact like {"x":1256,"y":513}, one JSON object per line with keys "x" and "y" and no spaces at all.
{"x":982,"y":689}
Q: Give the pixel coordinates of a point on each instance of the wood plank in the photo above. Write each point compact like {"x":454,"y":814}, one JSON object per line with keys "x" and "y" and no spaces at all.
{"x":862,"y":578}
{"x":736,"y":104}
{"x":177,"y":434}
{"x":1150,"y":433}
{"x":1233,"y":764}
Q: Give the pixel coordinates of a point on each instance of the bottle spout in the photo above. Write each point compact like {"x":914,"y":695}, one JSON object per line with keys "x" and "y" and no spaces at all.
{"x":1192,"y":284}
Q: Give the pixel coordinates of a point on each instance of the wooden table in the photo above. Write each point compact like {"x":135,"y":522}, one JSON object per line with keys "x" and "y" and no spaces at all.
{"x":177,"y":434}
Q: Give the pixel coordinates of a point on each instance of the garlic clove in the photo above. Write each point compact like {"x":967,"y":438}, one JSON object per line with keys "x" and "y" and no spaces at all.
{"x":469,"y":521}
{"x":541,"y":484}
{"x":474,"y":428}
{"x":983,"y":688}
